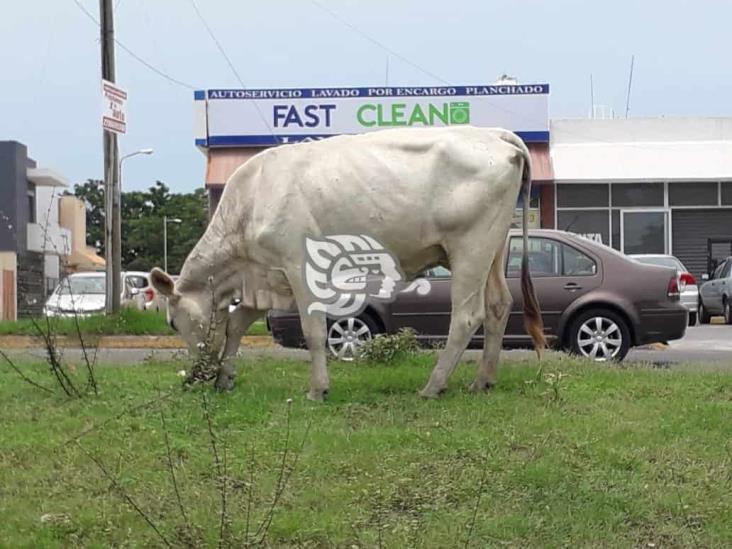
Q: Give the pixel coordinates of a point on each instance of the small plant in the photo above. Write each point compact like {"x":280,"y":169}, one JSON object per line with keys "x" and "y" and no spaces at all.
{"x":554,"y":380}
{"x":389,"y":348}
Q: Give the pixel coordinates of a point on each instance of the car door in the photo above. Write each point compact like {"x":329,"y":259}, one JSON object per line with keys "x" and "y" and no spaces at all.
{"x":723,"y":284}
{"x":426,"y":313}
{"x":561,"y":273}
{"x":711,"y":290}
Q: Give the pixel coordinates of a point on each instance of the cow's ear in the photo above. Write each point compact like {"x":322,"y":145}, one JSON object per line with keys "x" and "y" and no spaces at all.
{"x":162,"y":282}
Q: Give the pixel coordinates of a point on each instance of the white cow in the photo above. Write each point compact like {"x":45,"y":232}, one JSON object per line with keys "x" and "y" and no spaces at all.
{"x":431,"y":196}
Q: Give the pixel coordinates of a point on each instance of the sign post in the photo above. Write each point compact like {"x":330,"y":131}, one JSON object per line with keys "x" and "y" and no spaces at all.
{"x":114,"y":100}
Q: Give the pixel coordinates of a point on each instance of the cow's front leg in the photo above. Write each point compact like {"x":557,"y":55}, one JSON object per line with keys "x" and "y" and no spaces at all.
{"x":239,"y":321}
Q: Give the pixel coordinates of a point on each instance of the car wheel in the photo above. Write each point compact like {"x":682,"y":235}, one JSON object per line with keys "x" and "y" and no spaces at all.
{"x":692,"y":319}
{"x":704,"y":317}
{"x":346,"y":334}
{"x":727,"y":312}
{"x":601,"y":335}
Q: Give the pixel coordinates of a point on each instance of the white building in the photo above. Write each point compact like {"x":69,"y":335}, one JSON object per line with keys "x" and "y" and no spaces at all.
{"x":647,"y":185}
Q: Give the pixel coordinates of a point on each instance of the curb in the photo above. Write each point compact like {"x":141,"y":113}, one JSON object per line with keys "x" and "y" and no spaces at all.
{"x":120,"y":342}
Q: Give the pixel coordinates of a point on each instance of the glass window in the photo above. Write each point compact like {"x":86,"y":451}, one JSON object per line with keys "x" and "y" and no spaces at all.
{"x":637,"y":194}
{"x":692,"y":194}
{"x":726,"y":193}
{"x":575,"y":263}
{"x":81,"y":285}
{"x":644,"y":232}
{"x":615,"y":214}
{"x":544,"y":257}
{"x":533,"y":198}
{"x":582,"y":195}
{"x":137,"y":281}
{"x":593,"y":224}
{"x":718,"y":271}
{"x":727,"y":269}
{"x":439,"y":272}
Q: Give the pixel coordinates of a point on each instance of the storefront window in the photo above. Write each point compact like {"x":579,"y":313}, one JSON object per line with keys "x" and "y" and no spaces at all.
{"x":692,"y":194}
{"x":644,"y":232}
{"x":592,"y":224}
{"x":633,"y":195}
{"x":726,"y":193}
{"x":582,"y":195}
{"x":615,"y":214}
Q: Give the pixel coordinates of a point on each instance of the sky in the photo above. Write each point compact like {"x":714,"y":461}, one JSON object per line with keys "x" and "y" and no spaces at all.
{"x":50,"y":63}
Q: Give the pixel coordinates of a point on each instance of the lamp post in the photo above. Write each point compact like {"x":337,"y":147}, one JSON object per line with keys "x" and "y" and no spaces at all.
{"x":114,"y":252}
{"x":167,"y":220}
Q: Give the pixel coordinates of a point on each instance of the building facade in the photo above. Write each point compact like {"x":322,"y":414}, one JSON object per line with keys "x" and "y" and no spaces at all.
{"x":646,"y":185}
{"x":37,"y":234}
{"x":234,"y":125}
{"x":639,"y":185}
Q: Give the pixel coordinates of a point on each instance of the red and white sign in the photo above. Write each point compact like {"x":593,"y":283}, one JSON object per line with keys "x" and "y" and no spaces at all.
{"x":114,"y":99}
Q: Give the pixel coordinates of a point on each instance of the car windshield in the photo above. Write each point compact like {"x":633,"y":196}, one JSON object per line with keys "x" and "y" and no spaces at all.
{"x":81,"y":285}
{"x":661,"y":261}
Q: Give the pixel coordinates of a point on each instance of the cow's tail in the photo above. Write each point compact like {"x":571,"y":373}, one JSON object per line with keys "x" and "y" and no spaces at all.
{"x":533,"y":322}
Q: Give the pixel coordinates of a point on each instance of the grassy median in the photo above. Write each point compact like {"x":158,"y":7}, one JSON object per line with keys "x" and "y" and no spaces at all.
{"x":129,"y":321}
{"x":581,"y":456}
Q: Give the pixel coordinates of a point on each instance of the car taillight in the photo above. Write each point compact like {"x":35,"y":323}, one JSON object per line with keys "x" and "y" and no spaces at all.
{"x":149,"y":294}
{"x":672,"y":290}
{"x":686,"y":279}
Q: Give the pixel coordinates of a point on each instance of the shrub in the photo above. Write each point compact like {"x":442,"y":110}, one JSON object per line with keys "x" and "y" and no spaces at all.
{"x":389,"y":348}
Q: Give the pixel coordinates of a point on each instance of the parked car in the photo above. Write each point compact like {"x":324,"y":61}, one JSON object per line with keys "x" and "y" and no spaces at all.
{"x":85,"y":294}
{"x":716,"y":293}
{"x":687,"y":283}
{"x":595,"y":302}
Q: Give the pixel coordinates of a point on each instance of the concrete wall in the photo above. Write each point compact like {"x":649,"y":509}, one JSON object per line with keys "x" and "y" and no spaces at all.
{"x":14,"y":210}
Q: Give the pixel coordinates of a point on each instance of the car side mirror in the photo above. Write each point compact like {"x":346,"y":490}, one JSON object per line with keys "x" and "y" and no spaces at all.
{"x":705,"y":276}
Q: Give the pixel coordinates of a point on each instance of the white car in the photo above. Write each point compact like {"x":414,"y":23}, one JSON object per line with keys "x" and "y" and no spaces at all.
{"x":85,"y":294}
{"x":687,"y":283}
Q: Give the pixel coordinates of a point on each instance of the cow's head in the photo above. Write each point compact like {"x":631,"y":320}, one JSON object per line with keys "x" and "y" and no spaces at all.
{"x":193,"y":313}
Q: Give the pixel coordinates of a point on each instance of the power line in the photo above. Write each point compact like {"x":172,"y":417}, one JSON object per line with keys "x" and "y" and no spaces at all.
{"x":374,"y":41}
{"x":228,"y":61}
{"x":133,"y":54}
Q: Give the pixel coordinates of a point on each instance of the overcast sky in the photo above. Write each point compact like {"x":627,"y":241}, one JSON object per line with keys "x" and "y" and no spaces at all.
{"x":49,"y":63}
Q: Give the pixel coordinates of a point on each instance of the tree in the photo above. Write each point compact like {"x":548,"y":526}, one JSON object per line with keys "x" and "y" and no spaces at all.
{"x":142,"y":223}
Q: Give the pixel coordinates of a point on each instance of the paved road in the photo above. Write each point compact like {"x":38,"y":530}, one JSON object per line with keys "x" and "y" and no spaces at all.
{"x":701,"y":345}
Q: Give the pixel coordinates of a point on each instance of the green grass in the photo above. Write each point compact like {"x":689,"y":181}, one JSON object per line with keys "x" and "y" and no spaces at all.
{"x":609,"y":456}
{"x":128,"y":322}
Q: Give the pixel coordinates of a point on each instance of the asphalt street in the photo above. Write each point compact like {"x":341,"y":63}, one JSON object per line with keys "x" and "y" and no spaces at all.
{"x":702,"y":345}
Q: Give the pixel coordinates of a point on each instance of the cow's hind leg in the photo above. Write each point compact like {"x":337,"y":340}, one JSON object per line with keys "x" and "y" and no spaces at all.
{"x":498,"y":303}
{"x":239,"y":321}
{"x":314,"y":329}
{"x":469,"y":276}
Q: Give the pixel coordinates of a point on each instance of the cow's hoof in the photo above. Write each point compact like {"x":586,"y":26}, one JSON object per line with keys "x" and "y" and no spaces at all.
{"x":224,"y":383}
{"x":480,"y":386}
{"x":317,"y":395}
{"x":430,"y":392}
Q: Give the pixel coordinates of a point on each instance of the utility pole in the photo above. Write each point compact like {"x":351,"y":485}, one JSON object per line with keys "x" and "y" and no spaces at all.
{"x":112,"y":198}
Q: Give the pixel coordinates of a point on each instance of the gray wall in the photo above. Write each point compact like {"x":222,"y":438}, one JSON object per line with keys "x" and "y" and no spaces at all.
{"x":14,"y":162}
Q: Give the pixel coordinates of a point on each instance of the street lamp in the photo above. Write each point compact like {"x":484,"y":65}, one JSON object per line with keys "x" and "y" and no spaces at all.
{"x":167,"y":220}
{"x":113,"y":228}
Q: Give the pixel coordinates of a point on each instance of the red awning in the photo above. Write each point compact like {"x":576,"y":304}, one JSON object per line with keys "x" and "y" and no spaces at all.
{"x":222,"y":163}
{"x":541,"y":163}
